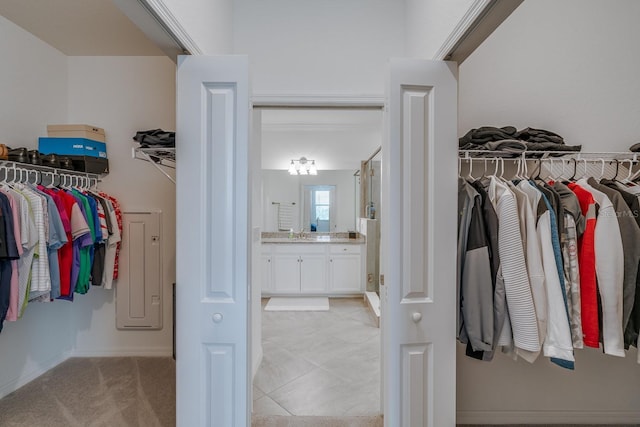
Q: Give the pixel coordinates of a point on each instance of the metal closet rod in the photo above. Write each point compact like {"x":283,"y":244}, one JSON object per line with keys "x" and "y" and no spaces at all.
{"x":548,"y":155}
{"x":16,"y":167}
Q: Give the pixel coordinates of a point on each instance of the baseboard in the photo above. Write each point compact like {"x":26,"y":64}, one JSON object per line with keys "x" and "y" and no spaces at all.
{"x":124,"y":352}
{"x":27,"y":377}
{"x":256,"y":362}
{"x":548,"y":417}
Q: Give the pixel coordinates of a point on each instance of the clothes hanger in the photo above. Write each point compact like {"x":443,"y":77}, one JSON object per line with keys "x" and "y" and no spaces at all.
{"x":469,"y":176}
{"x":628,"y":181}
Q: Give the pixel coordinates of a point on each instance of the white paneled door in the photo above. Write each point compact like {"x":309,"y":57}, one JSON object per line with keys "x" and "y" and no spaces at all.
{"x":419,"y":198}
{"x":213,"y":250}
{"x":212,"y":257}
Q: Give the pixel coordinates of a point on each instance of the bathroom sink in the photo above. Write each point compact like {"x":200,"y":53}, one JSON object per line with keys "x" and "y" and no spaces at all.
{"x":323,"y":238}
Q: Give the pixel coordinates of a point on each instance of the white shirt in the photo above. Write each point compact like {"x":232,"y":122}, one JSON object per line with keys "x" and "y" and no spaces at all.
{"x":524,"y":323}
{"x":557,"y":343}
{"x":609,"y":271}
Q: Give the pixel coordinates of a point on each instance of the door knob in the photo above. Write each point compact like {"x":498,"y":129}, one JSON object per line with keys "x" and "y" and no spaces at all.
{"x":217,"y":317}
{"x":416,"y":317}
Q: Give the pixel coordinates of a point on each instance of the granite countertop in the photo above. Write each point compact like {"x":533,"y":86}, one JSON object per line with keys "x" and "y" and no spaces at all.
{"x":283,"y":237}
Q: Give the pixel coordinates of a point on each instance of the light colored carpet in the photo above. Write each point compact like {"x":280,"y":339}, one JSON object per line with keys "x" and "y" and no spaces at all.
{"x":297,"y":304}
{"x":114,"y":391}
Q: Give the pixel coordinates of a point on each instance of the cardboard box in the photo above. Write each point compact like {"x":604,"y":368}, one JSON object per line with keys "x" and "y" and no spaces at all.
{"x":89,"y":164}
{"x":72,"y":147}
{"x":76,"y":131}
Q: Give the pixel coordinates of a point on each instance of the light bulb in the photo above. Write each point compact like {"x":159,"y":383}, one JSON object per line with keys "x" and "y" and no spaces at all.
{"x":292,"y":169}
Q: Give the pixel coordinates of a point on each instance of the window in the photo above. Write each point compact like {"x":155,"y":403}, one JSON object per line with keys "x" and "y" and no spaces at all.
{"x":319,"y":207}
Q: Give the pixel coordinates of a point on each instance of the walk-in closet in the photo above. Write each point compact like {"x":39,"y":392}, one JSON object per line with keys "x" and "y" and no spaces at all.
{"x":122,"y":85}
{"x":565,"y":67}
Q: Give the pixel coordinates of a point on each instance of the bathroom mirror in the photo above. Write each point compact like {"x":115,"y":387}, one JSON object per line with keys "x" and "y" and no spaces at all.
{"x":319,"y":208}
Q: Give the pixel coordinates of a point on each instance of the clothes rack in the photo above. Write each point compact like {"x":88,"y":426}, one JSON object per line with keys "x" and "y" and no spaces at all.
{"x":558,"y":163}
{"x":37,"y":174}
{"x":555,"y":243}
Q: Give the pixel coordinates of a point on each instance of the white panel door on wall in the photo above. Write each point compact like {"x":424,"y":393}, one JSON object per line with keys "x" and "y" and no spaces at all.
{"x":419,"y":229}
{"x":213,"y":252}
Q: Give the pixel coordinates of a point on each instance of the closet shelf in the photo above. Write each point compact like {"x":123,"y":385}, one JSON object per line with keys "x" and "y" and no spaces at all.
{"x":159,"y":157}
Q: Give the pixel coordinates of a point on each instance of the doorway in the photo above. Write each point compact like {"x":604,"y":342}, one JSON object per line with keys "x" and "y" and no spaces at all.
{"x":316,"y":363}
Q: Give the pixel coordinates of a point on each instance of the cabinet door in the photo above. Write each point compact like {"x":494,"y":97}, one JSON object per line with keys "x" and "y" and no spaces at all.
{"x":313,"y":274}
{"x":265,"y":267}
{"x":286,"y":274}
{"x":344,"y":271}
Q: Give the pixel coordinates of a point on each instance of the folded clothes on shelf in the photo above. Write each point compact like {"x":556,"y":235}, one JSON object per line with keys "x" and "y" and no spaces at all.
{"x":513,"y":142}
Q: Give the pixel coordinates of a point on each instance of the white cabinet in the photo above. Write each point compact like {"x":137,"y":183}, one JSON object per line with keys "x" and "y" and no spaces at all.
{"x":345,"y":269}
{"x":286,"y":273}
{"x":265,"y":271}
{"x":313,"y":273}
{"x":311,"y":269}
{"x":299,"y":268}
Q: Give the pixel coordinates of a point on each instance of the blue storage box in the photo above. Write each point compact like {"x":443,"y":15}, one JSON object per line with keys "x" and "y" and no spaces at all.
{"x":72,"y":147}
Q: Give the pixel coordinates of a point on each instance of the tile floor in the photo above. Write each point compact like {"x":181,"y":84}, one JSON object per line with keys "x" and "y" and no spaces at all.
{"x":319,"y":363}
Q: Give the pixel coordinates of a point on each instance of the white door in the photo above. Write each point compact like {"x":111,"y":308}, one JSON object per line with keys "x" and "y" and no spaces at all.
{"x":419,"y":245}
{"x":213,"y":252}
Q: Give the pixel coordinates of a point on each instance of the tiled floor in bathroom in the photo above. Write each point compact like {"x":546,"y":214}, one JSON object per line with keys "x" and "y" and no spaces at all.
{"x":319,"y":363}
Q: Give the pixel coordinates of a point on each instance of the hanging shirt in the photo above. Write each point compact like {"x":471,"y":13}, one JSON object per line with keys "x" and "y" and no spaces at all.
{"x":557,"y":344}
{"x":632,"y":200}
{"x":574,"y":226}
{"x":8,"y":252}
{"x":29,"y":235}
{"x":14,"y":200}
{"x":67,"y":253}
{"x":587,"y":266}
{"x":476,"y":292}
{"x":466,"y":201}
{"x":499,"y":299}
{"x":81,"y":262}
{"x":57,"y":238}
{"x":630,"y":233}
{"x":535,"y":268}
{"x":40,"y":284}
{"x":609,"y":271}
{"x":109,"y":273}
{"x":118,"y":221}
{"x":524,"y":323}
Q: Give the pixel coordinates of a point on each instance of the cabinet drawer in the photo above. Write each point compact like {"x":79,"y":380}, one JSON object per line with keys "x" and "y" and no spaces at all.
{"x":299,"y":248}
{"x":345,"y":249}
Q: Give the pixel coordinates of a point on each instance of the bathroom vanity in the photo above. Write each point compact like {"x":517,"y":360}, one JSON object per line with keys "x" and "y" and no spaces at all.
{"x":312,"y":264}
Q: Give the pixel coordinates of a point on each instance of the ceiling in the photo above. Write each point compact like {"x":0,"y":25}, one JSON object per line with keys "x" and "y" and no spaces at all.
{"x":336,"y":139}
{"x":81,"y":27}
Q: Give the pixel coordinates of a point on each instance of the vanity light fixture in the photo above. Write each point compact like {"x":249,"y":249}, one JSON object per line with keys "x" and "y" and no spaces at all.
{"x":303,"y":166}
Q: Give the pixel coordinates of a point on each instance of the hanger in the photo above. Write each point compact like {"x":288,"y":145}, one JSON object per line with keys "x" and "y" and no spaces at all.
{"x":602,"y":170}
{"x":469,"y":176}
{"x":627,"y":180}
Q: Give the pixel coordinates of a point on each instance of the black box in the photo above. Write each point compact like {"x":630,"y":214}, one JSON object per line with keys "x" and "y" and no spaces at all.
{"x":97,"y":165}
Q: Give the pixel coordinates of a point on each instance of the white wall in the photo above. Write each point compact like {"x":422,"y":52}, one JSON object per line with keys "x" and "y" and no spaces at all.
{"x":124,"y":95}
{"x":207,"y":22}
{"x":570,"y":67}
{"x":33,"y":89}
{"x":279,"y":186}
{"x":428,"y":24}
{"x":306,"y":46}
